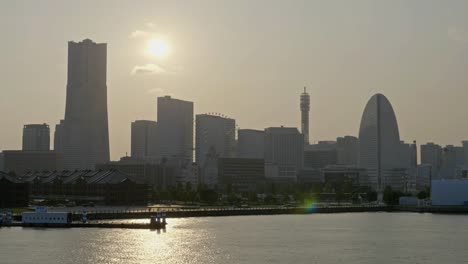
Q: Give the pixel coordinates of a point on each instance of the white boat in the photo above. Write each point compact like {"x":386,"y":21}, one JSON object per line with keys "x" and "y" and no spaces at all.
{"x":41,"y":217}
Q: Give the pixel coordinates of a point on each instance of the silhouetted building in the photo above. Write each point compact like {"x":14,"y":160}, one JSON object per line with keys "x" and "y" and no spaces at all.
{"x":209,"y":170}
{"x":284,"y":153}
{"x":423,"y":176}
{"x":110,"y":187}
{"x":242,"y":175}
{"x":251,"y":144}
{"x":143,"y":140}
{"x":20,"y":162}
{"x":159,"y":176}
{"x":347,"y":148}
{"x":452,"y":161}
{"x":36,"y":137}
{"x":13,"y":192}
{"x":320,"y":155}
{"x":338,"y":176}
{"x":379,"y":143}
{"x":175,"y":128}
{"x":305,"y":108}
{"x":83,"y":136}
{"x":431,"y":154}
{"x":217,"y":133}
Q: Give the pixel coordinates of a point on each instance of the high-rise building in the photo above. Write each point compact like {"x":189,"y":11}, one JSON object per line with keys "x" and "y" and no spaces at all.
{"x":143,"y":140}
{"x":347,"y":150}
{"x":284,"y":152}
{"x":83,"y":136}
{"x":379,"y":143}
{"x":36,"y":137}
{"x":431,"y":154}
{"x":217,"y":133}
{"x":305,"y":108}
{"x":175,"y":128}
{"x":251,"y":144}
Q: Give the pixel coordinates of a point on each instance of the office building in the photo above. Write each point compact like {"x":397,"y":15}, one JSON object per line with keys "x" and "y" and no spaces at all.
{"x":20,"y":162}
{"x":320,"y":155}
{"x":36,"y":137}
{"x":347,"y":148}
{"x":241,"y":175}
{"x":250,"y":144}
{"x":175,"y":128}
{"x":431,"y":154}
{"x":452,"y":161}
{"x":215,"y":133}
{"x":83,"y":135}
{"x":284,"y":153}
{"x":143,"y":140}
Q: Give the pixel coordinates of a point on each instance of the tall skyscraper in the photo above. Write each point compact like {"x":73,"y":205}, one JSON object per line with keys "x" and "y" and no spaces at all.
{"x":305,"y":108}
{"x":143,"y":140}
{"x":83,"y":135}
{"x":379,"y":143}
{"x":284,"y":152}
{"x":251,"y":144}
{"x":36,"y":137}
{"x":175,"y":128}
{"x":216,"y":133}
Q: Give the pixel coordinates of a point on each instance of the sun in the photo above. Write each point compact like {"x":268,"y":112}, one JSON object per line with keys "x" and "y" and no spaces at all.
{"x":158,"y":48}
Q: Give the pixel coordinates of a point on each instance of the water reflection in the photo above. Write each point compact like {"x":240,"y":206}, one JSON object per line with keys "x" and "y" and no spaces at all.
{"x":326,"y":238}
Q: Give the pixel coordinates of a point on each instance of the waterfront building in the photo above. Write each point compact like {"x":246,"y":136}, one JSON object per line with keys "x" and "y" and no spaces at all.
{"x":240,"y":174}
{"x":379,"y":143}
{"x":143,"y":140}
{"x":110,"y":187}
{"x":214,"y":133}
{"x":175,"y":128}
{"x":451,"y":192}
{"x":20,"y":162}
{"x":251,"y":144}
{"x":83,"y":135}
{"x":305,"y":109}
{"x":36,"y":137}
{"x":284,"y":153}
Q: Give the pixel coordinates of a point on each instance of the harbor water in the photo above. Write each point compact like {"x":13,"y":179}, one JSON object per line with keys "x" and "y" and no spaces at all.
{"x":316,"y":238}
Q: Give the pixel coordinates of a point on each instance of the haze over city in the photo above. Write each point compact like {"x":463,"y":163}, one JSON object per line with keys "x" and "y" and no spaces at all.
{"x":245,"y":59}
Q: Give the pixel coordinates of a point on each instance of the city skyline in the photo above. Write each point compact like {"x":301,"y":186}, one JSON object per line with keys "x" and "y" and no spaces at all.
{"x":236,"y":82}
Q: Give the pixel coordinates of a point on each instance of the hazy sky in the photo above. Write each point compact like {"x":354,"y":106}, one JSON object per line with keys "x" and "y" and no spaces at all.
{"x":246,"y":59}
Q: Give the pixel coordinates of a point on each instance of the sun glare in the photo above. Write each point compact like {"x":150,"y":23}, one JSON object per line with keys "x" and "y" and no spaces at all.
{"x":158,"y":48}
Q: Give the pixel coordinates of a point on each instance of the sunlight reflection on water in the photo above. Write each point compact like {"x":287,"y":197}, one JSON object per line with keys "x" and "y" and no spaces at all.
{"x":319,"y":238}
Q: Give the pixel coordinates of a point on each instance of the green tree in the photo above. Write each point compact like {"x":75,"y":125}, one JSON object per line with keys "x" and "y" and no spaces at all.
{"x":209,"y":196}
{"x":372,"y":196}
